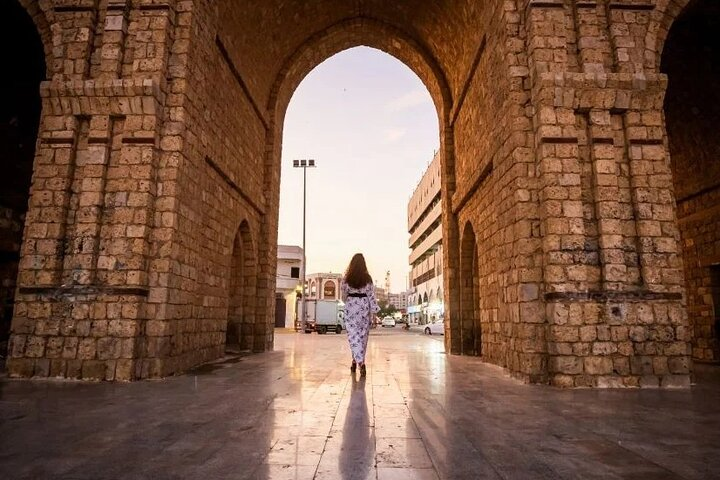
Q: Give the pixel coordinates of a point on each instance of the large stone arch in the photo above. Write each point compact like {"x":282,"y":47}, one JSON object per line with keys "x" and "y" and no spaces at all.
{"x":539,"y":103}
{"x":468,"y":324}
{"x":691,"y":60}
{"x":664,"y":15}
{"x":241,"y":319}
{"x":352,"y":32}
{"x":41,"y":14}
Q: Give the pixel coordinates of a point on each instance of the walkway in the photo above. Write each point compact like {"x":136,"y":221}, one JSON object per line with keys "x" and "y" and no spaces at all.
{"x":296,"y":413}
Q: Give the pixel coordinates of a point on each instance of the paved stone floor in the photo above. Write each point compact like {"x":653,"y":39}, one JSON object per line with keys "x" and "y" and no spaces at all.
{"x":297,"y":413}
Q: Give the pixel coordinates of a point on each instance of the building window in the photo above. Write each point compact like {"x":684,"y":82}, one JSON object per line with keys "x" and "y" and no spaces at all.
{"x":294,"y":272}
{"x":329,"y":290}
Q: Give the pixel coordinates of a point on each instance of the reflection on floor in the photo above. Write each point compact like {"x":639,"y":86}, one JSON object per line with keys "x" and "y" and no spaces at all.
{"x":297,"y":413}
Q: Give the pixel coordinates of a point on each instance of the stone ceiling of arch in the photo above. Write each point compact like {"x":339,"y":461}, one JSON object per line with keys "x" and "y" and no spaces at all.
{"x":262,"y":34}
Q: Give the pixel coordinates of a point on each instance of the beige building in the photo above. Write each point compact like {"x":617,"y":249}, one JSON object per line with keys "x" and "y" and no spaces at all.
{"x":425,"y":299}
{"x":399,"y":300}
{"x":381,"y":294}
{"x":324,"y":286}
{"x":287,"y":284}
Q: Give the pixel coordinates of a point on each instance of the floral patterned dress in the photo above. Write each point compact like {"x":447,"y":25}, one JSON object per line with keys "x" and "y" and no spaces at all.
{"x":359,"y":311}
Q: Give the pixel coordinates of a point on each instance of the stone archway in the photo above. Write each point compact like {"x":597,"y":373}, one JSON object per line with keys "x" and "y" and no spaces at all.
{"x":241,"y":318}
{"x":691,"y":59}
{"x":22,"y":49}
{"x":396,"y":42}
{"x":552,"y":144}
{"x":470,"y":333}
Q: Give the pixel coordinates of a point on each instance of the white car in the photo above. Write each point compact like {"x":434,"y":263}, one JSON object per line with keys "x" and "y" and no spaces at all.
{"x":435,"y":328}
{"x":388,"y":322}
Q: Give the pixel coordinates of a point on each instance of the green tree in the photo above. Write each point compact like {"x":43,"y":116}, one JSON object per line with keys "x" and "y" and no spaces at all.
{"x":386,"y":310}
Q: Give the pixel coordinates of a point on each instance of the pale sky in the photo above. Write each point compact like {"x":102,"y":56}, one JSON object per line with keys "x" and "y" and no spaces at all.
{"x":372,"y":128}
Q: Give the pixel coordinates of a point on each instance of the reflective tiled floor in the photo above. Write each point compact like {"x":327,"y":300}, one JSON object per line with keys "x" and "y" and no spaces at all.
{"x":297,"y":413}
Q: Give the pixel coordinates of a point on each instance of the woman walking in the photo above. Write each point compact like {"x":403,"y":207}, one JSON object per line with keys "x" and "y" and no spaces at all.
{"x":358,"y":293}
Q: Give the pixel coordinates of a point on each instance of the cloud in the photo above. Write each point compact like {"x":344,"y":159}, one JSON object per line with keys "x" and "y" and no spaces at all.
{"x":393,"y":134}
{"x":411,"y":99}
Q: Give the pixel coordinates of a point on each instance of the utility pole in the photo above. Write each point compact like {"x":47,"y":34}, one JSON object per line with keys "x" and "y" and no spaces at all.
{"x":304,"y":164}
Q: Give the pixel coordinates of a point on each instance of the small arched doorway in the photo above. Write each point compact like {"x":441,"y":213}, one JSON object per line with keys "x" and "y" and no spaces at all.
{"x":329,"y":290}
{"x":241,"y":329}
{"x":691,"y":59}
{"x":22,"y":52}
{"x":470,"y":334}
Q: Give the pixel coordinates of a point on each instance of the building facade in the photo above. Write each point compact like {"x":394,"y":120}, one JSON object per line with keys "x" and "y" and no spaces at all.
{"x":578,"y":158}
{"x":324,"y":286}
{"x":287,"y":285}
{"x":381,"y":294}
{"x":399,"y":301}
{"x":426,"y":302}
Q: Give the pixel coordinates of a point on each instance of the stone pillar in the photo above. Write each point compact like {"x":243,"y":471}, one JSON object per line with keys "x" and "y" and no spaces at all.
{"x":612,"y":289}
{"x":451,"y":245}
{"x":84,"y":278}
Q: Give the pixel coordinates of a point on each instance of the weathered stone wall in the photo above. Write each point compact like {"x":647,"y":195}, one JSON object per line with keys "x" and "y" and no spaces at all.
{"x":90,"y":250}
{"x":216,"y":187}
{"x":486,"y":174}
{"x":154,"y":208}
{"x":612,"y":271}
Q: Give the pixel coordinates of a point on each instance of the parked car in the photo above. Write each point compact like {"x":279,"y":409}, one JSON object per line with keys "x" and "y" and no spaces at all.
{"x":388,"y":322}
{"x":435,"y":328}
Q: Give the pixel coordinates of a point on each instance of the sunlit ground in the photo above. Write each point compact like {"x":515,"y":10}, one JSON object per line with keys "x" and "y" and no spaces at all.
{"x":298,"y":413}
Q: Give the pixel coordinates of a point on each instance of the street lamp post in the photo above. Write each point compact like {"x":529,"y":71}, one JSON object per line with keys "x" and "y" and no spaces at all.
{"x":304,"y":164}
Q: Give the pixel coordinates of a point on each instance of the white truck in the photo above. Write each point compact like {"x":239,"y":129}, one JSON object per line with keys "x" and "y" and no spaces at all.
{"x":325,"y":316}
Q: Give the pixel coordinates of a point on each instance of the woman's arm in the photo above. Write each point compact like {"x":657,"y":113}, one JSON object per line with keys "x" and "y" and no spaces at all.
{"x":343,"y":290}
{"x":374,"y":307}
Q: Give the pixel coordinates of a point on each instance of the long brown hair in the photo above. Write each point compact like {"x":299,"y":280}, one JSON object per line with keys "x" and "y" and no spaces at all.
{"x":357,"y":275}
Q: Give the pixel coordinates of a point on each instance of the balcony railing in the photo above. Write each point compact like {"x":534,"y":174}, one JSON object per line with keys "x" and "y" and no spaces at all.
{"x":435,"y":213}
{"x":425,"y":245}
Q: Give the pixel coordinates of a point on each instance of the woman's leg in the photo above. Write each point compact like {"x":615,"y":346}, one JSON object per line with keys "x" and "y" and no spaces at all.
{"x":355,"y":342}
{"x":365,"y":334}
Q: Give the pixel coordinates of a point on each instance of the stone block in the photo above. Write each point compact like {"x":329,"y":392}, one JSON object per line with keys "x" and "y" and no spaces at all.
{"x":57,"y":368}
{"x":605,"y":381}
{"x":675,"y":381}
{"x":20,"y":367}
{"x":54,"y":347}
{"x":566,"y":365}
{"x":660,"y":365}
{"x":621,"y":366}
{"x":588,"y":333}
{"x":641,"y":365}
{"x":42,"y":368}
{"x":35,"y":347}
{"x":87,"y":349}
{"x":563,"y":381}
{"x":598,"y":365}
{"x":649,"y":381}
{"x":679,"y":365}
{"x":109,"y":348}
{"x":564,"y":334}
{"x":70,"y":347}
{"x":93,"y":370}
{"x":125,"y":370}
